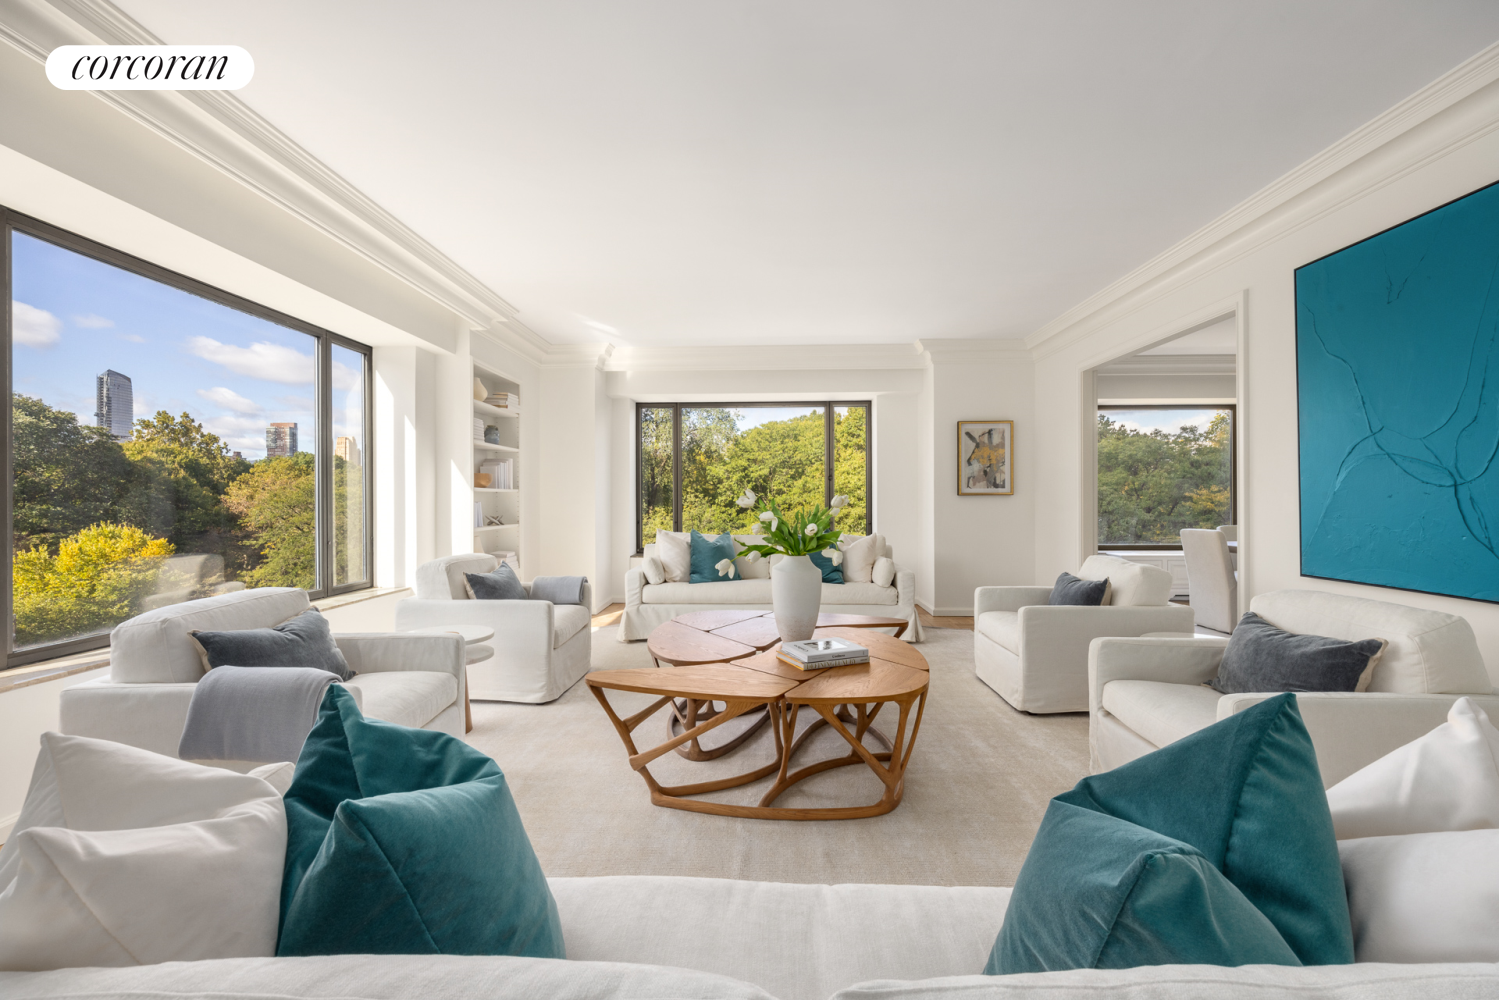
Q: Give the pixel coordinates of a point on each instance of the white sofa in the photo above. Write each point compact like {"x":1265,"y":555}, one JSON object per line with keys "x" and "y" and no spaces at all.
{"x":643,"y":937}
{"x":1035,"y":655}
{"x":650,"y":604}
{"x":1150,"y":691}
{"x":412,"y":680}
{"x":540,"y":649}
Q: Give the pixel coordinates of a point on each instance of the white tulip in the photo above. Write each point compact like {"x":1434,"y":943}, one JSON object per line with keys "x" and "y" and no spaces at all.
{"x":752,"y":557}
{"x":839,"y":501}
{"x":767,"y":516}
{"x":725,"y":567}
{"x":810,"y":529}
{"x":835,"y":556}
{"x":748,"y":500}
{"x":775,"y":522}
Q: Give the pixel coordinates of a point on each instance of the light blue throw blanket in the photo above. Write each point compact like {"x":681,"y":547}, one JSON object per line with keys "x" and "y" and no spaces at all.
{"x":558,"y":589}
{"x":259,"y":714}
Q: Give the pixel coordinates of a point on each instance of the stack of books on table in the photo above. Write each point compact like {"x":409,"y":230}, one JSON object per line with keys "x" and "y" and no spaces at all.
{"x":504,"y":400}
{"x":815,"y":654}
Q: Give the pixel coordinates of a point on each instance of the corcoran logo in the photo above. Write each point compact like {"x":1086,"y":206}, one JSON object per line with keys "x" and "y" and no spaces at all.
{"x":149,"y":67}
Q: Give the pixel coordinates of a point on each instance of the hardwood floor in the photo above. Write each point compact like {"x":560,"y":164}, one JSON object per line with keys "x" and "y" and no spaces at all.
{"x":608,"y":616}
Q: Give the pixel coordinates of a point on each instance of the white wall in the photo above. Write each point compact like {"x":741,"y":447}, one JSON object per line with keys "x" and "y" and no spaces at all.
{"x":1438,"y":148}
{"x":1160,"y":387}
{"x":25,"y":714}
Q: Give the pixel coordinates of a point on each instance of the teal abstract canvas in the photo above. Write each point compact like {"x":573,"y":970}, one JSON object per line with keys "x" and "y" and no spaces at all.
{"x":1397,"y":372}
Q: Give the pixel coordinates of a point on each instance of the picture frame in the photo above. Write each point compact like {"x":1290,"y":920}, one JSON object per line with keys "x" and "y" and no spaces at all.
{"x":986,"y":458}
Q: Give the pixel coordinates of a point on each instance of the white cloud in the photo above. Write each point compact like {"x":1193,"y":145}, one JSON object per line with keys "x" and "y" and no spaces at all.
{"x":134,"y":338}
{"x":243,"y":434}
{"x":344,"y":377}
{"x":271,"y":362}
{"x":34,"y":327}
{"x":230,"y":400}
{"x":297,"y":403}
{"x":92,"y":322}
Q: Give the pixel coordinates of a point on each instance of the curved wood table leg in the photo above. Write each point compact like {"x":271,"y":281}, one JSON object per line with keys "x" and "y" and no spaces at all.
{"x":687,"y":713}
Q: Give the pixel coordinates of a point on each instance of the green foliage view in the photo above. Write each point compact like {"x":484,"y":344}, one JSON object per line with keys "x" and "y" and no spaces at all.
{"x":97,"y":522}
{"x":1153,"y":484}
{"x":780,"y":460}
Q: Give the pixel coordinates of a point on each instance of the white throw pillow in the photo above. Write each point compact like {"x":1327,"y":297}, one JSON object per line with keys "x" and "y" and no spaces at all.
{"x":759,"y":569}
{"x":674,"y":548}
{"x":654,"y":572}
{"x":883,"y":573}
{"x":278,"y":776}
{"x":1446,"y":780}
{"x":859,"y":555}
{"x":125,"y":857}
{"x":1131,"y":584}
{"x":1424,"y":897}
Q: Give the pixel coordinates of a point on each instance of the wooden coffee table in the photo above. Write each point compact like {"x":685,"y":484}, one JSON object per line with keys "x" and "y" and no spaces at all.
{"x":720,"y":636}
{"x":842,"y":697}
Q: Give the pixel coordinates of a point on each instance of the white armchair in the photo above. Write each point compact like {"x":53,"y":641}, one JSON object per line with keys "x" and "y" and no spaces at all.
{"x":1150,"y":691}
{"x":540,"y":649}
{"x":1036,"y":655}
{"x":154,"y":668}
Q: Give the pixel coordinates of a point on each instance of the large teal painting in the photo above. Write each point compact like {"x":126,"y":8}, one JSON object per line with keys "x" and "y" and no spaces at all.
{"x":1398,"y":388}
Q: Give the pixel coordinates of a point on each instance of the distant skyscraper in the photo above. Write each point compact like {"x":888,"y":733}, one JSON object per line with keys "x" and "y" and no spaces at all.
{"x":347,"y":449}
{"x":116,"y":404}
{"x":280,"y":440}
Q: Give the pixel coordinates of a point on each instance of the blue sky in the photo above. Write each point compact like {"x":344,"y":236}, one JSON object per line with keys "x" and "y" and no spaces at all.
{"x":75,"y":316}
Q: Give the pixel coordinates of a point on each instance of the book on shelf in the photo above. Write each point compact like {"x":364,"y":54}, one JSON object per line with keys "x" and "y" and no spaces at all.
{"x":478,"y":429}
{"x":504,"y":400}
{"x":817,"y":654}
{"x":478,"y":514}
{"x":501,"y":473}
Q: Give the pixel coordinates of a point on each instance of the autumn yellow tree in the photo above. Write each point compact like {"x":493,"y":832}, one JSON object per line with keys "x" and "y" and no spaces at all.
{"x":97,"y":579}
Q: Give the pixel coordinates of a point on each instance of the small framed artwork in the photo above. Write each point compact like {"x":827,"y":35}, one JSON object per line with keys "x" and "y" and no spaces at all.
{"x":986,"y":458}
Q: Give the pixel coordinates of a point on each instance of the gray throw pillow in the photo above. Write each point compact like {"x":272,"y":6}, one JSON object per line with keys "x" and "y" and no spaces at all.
{"x":501,"y":585}
{"x":303,"y":641}
{"x":1263,"y":658}
{"x":1071,"y":590}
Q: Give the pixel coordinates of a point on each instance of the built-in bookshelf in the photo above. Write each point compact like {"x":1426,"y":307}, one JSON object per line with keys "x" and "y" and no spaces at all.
{"x":496,"y":453}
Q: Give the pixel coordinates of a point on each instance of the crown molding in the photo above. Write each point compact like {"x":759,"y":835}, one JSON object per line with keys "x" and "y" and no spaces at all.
{"x":820,"y":357}
{"x":219,"y":128}
{"x":954,"y":351}
{"x":1447,"y":90}
{"x":1171,"y":364}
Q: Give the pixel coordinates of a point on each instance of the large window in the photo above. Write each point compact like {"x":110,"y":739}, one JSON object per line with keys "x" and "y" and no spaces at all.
{"x":166,"y":441}
{"x":1162,"y":469}
{"x":696,"y":459}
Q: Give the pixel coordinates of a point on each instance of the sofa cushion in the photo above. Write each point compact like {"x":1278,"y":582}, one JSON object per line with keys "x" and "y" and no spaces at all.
{"x":125,"y":857}
{"x":1446,"y":780}
{"x":567,"y":621}
{"x":883,"y":574}
{"x":1131,"y":584}
{"x":797,"y":941}
{"x":1261,"y":657}
{"x":154,"y":647}
{"x":406,"y":841}
{"x":1246,"y":794}
{"x":674,"y":549}
{"x":748,"y":569}
{"x":383,"y":977}
{"x":406,"y":697}
{"x":442,"y":579}
{"x":859,"y":554}
{"x":857,"y":593}
{"x":706,"y":553}
{"x":1161,"y":712}
{"x":303,"y":641}
{"x":831,"y":572}
{"x":1002,"y":627}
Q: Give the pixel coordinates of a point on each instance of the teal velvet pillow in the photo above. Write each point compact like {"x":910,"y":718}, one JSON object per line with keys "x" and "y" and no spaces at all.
{"x":406,"y":842}
{"x":830,"y":573}
{"x":1122,"y":886}
{"x":706,"y":554}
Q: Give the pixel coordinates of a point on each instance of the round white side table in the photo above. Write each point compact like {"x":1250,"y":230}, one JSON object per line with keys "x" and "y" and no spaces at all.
{"x":474,"y":636}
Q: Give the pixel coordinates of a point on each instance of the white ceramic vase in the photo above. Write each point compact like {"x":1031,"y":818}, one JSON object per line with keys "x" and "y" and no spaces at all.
{"x":796,"y":594}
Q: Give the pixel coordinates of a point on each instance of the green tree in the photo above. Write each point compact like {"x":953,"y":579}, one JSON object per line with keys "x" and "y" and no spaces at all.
{"x":276,"y":504}
{"x":850,"y":458}
{"x":187,"y":470}
{"x":656,"y":475}
{"x":1152,"y":485}
{"x":97,"y":579}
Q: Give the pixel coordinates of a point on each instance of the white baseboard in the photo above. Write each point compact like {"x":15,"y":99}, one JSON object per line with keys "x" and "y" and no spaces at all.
{"x":960,"y":612}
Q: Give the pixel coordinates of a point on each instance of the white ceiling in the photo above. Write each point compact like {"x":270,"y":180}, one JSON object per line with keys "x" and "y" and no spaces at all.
{"x":811,"y":171}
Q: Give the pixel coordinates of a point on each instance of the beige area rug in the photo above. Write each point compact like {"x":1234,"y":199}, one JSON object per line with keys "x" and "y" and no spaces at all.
{"x":976,"y":787}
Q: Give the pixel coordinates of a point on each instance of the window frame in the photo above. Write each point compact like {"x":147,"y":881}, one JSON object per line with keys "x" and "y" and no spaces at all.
{"x":12,"y":221}
{"x":1233,"y":470}
{"x":829,"y":448}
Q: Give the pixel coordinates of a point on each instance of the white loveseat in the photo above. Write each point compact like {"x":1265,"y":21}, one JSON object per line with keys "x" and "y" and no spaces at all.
{"x":540,"y":649}
{"x":1150,"y":691}
{"x":1035,"y":655}
{"x":643,"y":937}
{"x":154,"y":667}
{"x":650,"y":604}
